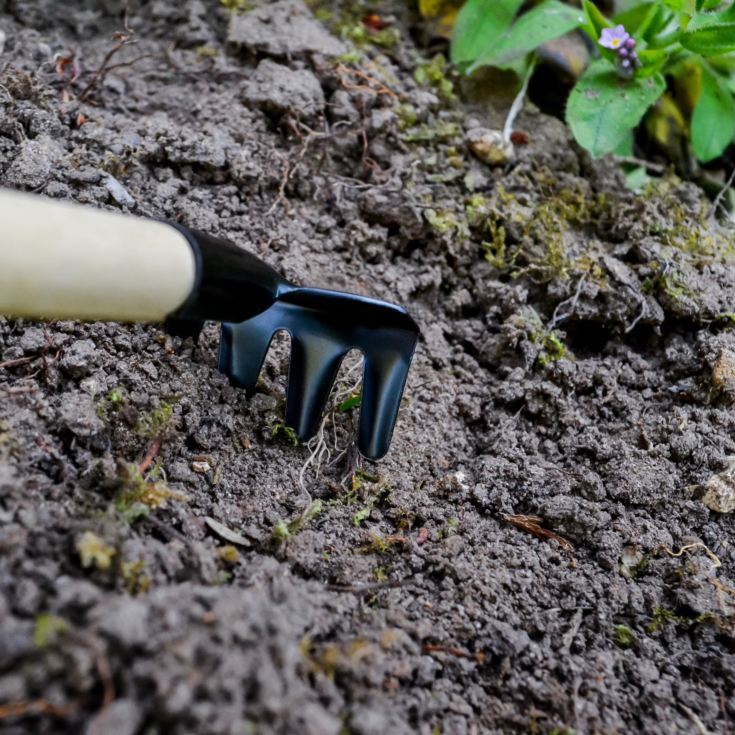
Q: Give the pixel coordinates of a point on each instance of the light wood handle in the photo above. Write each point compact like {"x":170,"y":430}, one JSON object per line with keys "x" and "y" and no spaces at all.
{"x":66,"y":261}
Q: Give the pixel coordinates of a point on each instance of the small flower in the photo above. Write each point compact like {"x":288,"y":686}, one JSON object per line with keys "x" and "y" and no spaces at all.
{"x":614,"y":38}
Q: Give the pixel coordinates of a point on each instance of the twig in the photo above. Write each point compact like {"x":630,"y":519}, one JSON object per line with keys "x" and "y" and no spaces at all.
{"x":517,"y":105}
{"x":108,"y":687}
{"x":720,"y":195}
{"x":531,"y":524}
{"x":18,"y":361}
{"x":35,"y":707}
{"x":361,"y":589}
{"x":123,"y":39}
{"x":656,"y":168}
{"x":149,"y":457}
{"x":478,"y":656}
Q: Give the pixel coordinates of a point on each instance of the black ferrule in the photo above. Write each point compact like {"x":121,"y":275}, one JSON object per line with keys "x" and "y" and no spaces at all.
{"x":231,"y":284}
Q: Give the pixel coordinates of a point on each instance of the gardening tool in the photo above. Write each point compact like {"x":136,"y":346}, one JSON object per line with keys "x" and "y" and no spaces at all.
{"x":65,"y":261}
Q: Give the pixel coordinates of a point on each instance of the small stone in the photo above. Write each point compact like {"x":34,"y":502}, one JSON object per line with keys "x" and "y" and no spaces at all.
{"x":201,"y":468}
{"x":2,"y":41}
{"x":723,"y":371}
{"x":78,"y":359}
{"x":719,"y":493}
{"x":118,"y":192}
{"x":285,"y":28}
{"x":489,"y":146}
{"x":33,"y":340}
{"x":122,"y":717}
{"x":278,"y":90}
{"x":77,"y":413}
{"x":226,"y":534}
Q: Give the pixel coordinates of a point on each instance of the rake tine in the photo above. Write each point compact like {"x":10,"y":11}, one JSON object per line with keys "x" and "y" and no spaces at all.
{"x":314,"y":365}
{"x":384,"y":377}
{"x":243,"y":348}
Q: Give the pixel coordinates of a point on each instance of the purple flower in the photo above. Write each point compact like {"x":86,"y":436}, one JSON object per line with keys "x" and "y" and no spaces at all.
{"x":614,"y":38}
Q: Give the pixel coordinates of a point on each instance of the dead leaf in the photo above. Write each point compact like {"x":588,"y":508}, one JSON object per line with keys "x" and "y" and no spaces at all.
{"x":226,"y":534}
{"x":531,"y":524}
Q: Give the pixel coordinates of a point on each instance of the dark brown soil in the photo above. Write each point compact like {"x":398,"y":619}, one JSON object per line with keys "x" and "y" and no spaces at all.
{"x":583,"y":374}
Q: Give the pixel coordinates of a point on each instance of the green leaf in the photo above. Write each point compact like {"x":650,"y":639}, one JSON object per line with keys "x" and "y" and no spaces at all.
{"x":479,"y":25}
{"x":596,"y":22}
{"x":633,"y":17}
{"x":652,"y":61}
{"x":710,"y":40}
{"x":602,"y":107}
{"x":713,"y":120}
{"x":636,"y":179}
{"x":350,"y":403}
{"x":545,"y":22}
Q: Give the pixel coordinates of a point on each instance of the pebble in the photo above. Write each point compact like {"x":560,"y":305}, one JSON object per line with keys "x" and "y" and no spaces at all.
{"x":489,"y":146}
{"x":118,"y":192}
{"x":2,"y":41}
{"x":121,"y":717}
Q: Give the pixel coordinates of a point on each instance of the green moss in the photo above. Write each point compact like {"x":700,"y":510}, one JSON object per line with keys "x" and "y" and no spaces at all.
{"x":158,"y":423}
{"x":434,"y":74}
{"x":624,"y":636}
{"x":138,"y":495}
{"x":361,"y":35}
{"x":552,"y":348}
{"x":495,"y":248}
{"x":48,"y":629}
{"x":425,"y":133}
{"x":441,"y":221}
{"x":667,"y":281}
{"x":237,"y":6}
{"x":662,"y":615}
{"x":285,"y":433}
{"x":407,"y":116}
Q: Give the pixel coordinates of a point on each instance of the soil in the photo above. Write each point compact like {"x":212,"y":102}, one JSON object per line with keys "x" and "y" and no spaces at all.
{"x":539,"y":551}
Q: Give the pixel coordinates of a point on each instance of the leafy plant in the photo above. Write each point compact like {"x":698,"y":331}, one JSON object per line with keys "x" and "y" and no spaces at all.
{"x":652,"y":46}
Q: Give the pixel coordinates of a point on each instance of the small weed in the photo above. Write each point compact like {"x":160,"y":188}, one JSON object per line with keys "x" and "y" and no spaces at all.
{"x":552,"y":349}
{"x":229,"y":554}
{"x":624,"y":636}
{"x":379,"y":544}
{"x":285,"y":529}
{"x":48,"y":629}
{"x":94,"y":552}
{"x":133,"y":575}
{"x":139,"y":496}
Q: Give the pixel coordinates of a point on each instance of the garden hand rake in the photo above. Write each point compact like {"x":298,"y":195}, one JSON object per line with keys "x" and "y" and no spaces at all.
{"x":64,"y":261}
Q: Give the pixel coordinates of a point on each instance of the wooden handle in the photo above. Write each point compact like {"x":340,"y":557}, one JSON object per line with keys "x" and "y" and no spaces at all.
{"x":66,"y":261}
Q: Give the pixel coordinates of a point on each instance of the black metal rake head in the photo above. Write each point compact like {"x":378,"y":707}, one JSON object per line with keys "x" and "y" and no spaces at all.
{"x":323,"y":325}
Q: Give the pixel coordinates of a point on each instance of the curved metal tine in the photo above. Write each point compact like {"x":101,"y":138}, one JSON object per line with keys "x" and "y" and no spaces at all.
{"x":243,"y":348}
{"x":315,"y":361}
{"x":386,"y":370}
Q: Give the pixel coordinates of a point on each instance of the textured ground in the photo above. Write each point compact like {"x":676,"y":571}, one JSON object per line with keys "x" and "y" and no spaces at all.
{"x":582,"y":372}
